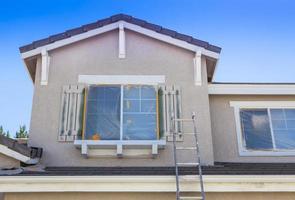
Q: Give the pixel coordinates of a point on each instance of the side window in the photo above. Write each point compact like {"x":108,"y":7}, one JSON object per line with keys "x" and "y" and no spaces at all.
{"x":256,"y":129}
{"x":268,"y":128}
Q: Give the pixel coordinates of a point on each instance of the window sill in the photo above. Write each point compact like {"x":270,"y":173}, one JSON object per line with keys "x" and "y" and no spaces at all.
{"x":116,"y":147}
{"x":266,"y":153}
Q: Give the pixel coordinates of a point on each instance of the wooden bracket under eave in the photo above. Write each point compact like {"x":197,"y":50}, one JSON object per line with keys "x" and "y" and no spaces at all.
{"x":45,"y":60}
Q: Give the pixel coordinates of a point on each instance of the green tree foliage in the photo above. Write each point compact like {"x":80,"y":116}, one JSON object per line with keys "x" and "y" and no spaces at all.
{"x":22,"y":133}
{"x":2,"y":132}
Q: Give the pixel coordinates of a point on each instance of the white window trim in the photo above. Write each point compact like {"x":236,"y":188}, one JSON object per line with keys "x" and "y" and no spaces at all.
{"x":237,"y":105}
{"x":122,"y":79}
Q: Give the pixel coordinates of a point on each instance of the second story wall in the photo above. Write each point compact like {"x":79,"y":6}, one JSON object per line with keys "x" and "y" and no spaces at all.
{"x":99,"y":56}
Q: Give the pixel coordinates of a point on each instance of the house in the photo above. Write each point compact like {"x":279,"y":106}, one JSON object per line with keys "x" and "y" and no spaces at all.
{"x":104,"y":97}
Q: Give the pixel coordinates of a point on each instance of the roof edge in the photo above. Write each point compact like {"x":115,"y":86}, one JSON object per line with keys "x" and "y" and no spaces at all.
{"x":251,"y":89}
{"x":115,"y":18}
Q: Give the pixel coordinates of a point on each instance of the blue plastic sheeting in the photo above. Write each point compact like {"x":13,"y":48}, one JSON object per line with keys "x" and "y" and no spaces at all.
{"x":139,"y":113}
{"x":258,"y":125}
{"x":256,"y":129}
{"x":103,"y":113}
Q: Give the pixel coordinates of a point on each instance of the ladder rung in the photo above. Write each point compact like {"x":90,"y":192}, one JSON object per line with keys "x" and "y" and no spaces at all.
{"x":188,"y":164}
{"x":189,"y":133}
{"x":191,"y":197}
{"x":186,"y":148}
{"x":183,"y":120}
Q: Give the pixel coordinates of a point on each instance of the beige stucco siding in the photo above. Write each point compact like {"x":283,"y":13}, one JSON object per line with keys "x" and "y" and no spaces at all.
{"x":8,"y":163}
{"x":99,"y":56}
{"x":147,"y":196}
{"x":224,"y":129}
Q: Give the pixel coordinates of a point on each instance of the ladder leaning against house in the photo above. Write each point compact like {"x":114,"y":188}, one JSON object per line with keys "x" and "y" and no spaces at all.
{"x":179,"y":194}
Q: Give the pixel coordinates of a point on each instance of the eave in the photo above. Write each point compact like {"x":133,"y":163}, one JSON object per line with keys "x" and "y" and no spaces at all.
{"x":251,"y":89}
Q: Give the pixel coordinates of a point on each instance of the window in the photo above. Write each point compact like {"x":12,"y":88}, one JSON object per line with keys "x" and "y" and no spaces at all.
{"x":121,"y":112}
{"x":256,"y":129}
{"x":265,"y":127}
{"x":133,"y":111}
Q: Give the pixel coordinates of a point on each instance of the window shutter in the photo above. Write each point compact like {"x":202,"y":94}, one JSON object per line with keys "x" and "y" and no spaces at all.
{"x":169,"y":106}
{"x":71,"y":117}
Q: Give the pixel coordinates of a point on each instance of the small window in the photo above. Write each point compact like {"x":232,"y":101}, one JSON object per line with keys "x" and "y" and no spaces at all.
{"x":271,"y":129}
{"x":122,"y":112}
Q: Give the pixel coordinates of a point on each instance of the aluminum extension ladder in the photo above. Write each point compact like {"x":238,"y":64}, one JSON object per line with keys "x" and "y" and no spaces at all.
{"x":177,"y":164}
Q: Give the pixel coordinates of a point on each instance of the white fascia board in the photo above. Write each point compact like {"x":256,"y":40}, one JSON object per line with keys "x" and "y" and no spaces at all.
{"x":170,"y":40}
{"x":71,"y":40}
{"x":126,"y":25}
{"x":122,"y":79}
{"x":251,"y":89}
{"x":190,"y":183}
{"x":13,"y":154}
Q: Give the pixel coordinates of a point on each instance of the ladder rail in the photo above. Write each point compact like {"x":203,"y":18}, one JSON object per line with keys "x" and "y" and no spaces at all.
{"x":175,"y":160}
{"x":175,"y":148}
{"x":198,"y":157}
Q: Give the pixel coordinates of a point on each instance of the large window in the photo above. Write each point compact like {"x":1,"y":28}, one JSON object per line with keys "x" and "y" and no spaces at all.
{"x":265,"y":128}
{"x":121,"y":112}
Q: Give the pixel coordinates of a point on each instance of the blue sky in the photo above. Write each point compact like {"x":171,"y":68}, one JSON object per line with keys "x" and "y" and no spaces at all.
{"x":257,"y":37}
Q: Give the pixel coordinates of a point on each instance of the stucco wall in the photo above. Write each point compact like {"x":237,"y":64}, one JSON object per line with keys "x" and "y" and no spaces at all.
{"x":8,"y":163}
{"x":147,"y":196}
{"x":224,"y":129}
{"x":99,"y":56}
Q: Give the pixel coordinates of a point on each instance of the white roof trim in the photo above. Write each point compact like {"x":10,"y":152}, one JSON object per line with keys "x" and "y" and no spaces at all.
{"x":70,"y":40}
{"x":113,"y":26}
{"x":213,"y":183}
{"x":13,"y":154}
{"x":251,"y":89}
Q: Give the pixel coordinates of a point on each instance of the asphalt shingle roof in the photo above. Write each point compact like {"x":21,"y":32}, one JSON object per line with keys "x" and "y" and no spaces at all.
{"x":217,"y":169}
{"x":116,"y":18}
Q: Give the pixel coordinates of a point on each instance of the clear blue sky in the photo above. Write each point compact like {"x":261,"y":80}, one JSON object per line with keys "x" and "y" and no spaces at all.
{"x":257,"y":37}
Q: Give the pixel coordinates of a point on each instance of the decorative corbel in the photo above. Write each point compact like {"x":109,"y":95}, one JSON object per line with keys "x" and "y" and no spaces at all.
{"x":122,"y":41}
{"x":44,"y":67}
{"x":198,"y":68}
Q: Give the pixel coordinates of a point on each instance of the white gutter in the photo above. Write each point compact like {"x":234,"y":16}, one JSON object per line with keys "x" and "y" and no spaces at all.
{"x":213,"y":183}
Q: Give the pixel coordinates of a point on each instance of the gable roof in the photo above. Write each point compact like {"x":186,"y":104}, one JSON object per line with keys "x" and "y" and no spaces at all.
{"x":115,"y":18}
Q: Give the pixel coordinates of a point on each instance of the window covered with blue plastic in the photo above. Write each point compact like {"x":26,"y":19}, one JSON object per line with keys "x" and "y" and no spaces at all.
{"x":256,"y":129}
{"x":268,"y":129}
{"x":103,"y":113}
{"x":139,"y":113}
{"x":121,"y":112}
